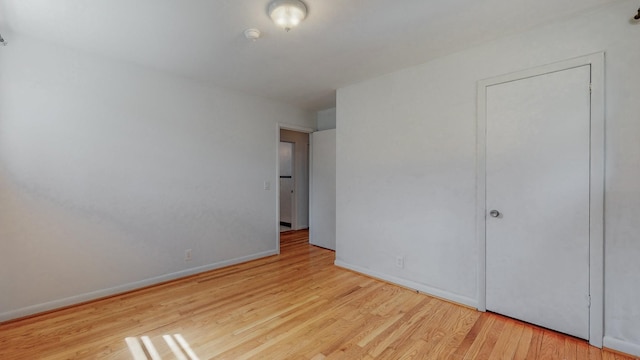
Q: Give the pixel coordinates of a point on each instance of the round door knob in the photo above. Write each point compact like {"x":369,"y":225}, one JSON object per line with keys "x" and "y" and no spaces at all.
{"x":494,"y":213}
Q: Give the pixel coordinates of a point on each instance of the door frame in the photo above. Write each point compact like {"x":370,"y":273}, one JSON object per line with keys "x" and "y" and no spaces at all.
{"x":284,"y":126}
{"x":596,"y":187}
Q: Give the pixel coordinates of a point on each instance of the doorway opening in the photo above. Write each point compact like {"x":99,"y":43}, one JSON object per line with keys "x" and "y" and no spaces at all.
{"x":293,"y":178}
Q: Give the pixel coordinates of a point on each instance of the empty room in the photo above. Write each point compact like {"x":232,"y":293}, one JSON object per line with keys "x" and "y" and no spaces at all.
{"x":319,"y":179}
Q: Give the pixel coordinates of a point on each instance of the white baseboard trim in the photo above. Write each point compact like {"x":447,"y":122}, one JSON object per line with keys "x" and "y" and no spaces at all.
{"x":463,"y":300}
{"x":621,"y":345}
{"x":94,"y":295}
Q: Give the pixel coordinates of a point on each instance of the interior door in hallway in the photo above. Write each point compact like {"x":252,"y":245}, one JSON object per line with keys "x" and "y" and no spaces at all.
{"x":287,"y":183}
{"x":537,"y":198}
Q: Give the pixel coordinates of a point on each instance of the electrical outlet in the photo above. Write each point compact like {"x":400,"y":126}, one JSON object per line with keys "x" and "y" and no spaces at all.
{"x":400,"y":262}
{"x":187,"y":255}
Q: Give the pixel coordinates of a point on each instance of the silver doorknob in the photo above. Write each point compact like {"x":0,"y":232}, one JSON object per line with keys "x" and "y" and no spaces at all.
{"x":494,"y":213}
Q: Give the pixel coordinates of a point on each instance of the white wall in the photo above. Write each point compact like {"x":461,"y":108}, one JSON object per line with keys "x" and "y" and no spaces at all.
{"x":326,"y":119}
{"x":301,"y":176}
{"x":322,"y":199}
{"x":109,"y":172}
{"x":406,"y":163}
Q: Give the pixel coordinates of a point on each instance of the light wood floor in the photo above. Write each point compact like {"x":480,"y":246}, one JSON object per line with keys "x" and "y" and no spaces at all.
{"x":293,"y":306}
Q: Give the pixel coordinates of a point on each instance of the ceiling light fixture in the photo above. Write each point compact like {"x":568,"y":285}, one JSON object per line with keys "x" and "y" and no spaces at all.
{"x":287,"y":13}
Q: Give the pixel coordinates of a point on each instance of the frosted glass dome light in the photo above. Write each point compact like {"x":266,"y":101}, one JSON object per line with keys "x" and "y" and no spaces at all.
{"x":287,"y":13}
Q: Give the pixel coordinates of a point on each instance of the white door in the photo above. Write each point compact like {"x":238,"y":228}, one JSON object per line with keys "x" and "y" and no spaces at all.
{"x":287,"y":188}
{"x":322,"y":210}
{"x":537,"y":181}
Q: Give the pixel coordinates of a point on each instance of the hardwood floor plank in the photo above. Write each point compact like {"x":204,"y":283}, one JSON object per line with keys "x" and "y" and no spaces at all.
{"x":606,"y":355}
{"x":552,"y":346}
{"x":525,"y":343}
{"x":595,"y":354}
{"x":296,"y":305}
{"x":455,"y":333}
{"x":570,"y":348}
{"x":536,"y":343}
{"x":410,"y":321}
{"x":507,"y":342}
{"x":490,"y":339}
{"x":476,"y":330}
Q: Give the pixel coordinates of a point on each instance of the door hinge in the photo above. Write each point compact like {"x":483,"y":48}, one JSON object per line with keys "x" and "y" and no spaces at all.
{"x":589,"y":300}
{"x":590,"y":88}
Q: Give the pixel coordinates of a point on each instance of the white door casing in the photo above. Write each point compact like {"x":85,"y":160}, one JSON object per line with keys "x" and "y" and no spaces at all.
{"x":542,"y":257}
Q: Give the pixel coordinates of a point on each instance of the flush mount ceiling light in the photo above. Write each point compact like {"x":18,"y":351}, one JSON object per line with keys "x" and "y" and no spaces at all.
{"x":287,"y":13}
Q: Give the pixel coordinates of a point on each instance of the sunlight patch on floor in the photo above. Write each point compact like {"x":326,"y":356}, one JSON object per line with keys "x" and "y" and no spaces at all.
{"x":146,"y":350}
